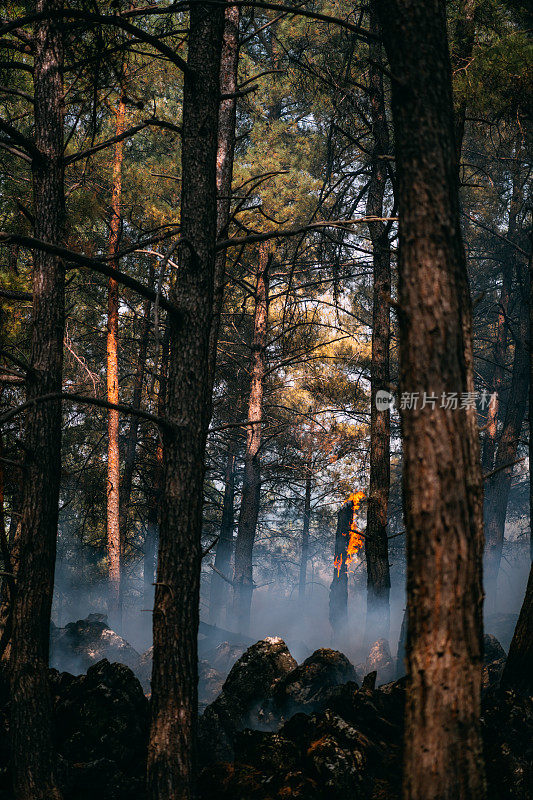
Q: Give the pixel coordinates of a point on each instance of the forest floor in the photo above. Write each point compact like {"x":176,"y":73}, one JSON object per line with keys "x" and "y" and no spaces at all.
{"x":272,"y":729}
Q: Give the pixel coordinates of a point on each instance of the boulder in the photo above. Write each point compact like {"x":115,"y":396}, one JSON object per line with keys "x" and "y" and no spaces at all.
{"x":308,"y":686}
{"x":247,"y":687}
{"x":81,"y":644}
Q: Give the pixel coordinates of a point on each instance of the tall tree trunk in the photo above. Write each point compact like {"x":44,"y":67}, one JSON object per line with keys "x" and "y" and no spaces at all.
{"x":518,"y":670}
{"x":500,"y":349}
{"x":218,"y":594}
{"x":227,"y":116}
{"x":152,"y":528}
{"x":338,"y":590}
{"x":464,"y":39}
{"x":376,"y":543}
{"x":172,"y":743}
{"x":114,"y":602}
{"x":251,"y":483}
{"x":304,"y":557}
{"x":133,"y":430}
{"x":442,"y":477}
{"x":32,"y":751}
{"x":498,"y":486}
{"x":498,"y":368}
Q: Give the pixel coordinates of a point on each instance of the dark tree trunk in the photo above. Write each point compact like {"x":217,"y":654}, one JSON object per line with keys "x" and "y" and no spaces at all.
{"x":464,"y":39}
{"x":172,"y":743}
{"x":499,"y":356}
{"x":376,"y":543}
{"x":442,"y":476}
{"x":33,"y":756}
{"x":219,"y":594}
{"x":400,"y":654}
{"x":518,"y":670}
{"x":305,"y":537}
{"x":498,"y":368}
{"x":150,"y":550}
{"x":251,"y":483}
{"x":133,"y":431}
{"x":338,"y":590}
{"x":154,"y":498}
{"x":227,"y":117}
{"x":498,"y":486}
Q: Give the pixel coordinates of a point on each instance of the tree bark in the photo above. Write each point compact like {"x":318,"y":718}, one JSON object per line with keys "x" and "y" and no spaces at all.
{"x":305,"y":537}
{"x":251,"y":484}
{"x":33,"y":756}
{"x":172,"y":743}
{"x":518,"y":670}
{"x":442,"y":486}
{"x":338,"y":590}
{"x":114,"y":602}
{"x":227,"y":117}
{"x":376,"y":543}
{"x":218,"y":594}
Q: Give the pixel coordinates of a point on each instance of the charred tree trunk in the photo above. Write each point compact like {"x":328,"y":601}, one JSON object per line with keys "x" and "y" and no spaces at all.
{"x":442,"y":476}
{"x":32,"y":750}
{"x":376,"y":542}
{"x":499,"y":485}
{"x":172,"y":743}
{"x":227,"y":116}
{"x":113,"y":420}
{"x":338,"y":590}
{"x":218,"y":595}
{"x":518,"y":670}
{"x":305,"y":538}
{"x":251,"y":483}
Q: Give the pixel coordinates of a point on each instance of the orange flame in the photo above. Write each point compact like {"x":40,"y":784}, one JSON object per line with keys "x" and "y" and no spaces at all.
{"x":356,"y":539}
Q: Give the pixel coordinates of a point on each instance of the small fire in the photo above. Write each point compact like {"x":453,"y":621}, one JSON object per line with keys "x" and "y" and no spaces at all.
{"x":356,"y":539}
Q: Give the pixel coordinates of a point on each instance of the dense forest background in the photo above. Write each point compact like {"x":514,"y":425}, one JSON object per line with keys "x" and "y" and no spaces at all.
{"x":307,"y":271}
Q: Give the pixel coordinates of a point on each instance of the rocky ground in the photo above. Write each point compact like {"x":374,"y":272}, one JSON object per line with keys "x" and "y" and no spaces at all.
{"x":272,"y":729}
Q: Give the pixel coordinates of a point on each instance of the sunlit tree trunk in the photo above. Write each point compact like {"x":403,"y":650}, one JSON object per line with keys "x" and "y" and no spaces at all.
{"x":219,"y":588}
{"x":376,"y":543}
{"x":304,"y":556}
{"x":442,"y":477}
{"x":32,"y":749}
{"x":174,"y":711}
{"x":113,"y":454}
{"x":251,"y":482}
